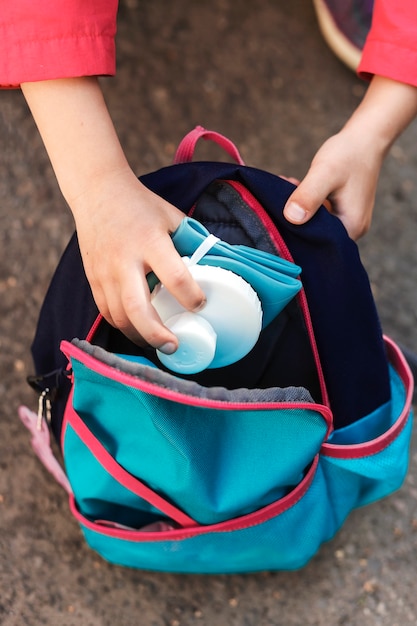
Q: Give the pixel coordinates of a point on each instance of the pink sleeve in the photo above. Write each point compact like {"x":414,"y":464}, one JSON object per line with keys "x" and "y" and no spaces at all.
{"x":391,"y":46}
{"x":47,"y":39}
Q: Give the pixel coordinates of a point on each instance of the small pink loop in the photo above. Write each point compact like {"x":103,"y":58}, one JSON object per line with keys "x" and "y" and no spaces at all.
{"x":41,"y":444}
{"x":185,"y":151}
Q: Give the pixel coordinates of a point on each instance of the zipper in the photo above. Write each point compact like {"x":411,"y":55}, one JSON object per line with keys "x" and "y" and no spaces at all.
{"x":105,"y":370}
{"x":284,"y":252}
{"x":94,"y":327}
{"x":47,"y":387}
{"x":44,"y":409}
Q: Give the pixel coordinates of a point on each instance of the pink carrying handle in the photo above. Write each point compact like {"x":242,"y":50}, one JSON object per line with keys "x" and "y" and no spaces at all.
{"x":185,"y":150}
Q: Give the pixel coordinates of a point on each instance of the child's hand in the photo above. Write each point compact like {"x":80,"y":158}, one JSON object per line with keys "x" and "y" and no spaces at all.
{"x":344,"y":173}
{"x":346,"y":168}
{"x":123,"y":228}
{"x":124,"y":232}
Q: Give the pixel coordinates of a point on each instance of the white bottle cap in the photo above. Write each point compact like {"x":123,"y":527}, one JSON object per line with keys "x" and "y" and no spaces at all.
{"x":196,"y":344}
{"x":220,"y":334}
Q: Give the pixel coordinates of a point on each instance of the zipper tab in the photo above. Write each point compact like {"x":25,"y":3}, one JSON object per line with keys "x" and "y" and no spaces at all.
{"x":44,"y":409}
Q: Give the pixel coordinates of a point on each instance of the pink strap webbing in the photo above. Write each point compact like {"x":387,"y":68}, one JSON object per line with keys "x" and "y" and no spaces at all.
{"x":185,"y":150}
{"x":41,"y":444}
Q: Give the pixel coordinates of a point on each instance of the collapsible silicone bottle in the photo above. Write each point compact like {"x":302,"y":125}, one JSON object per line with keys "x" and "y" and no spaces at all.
{"x":223,"y":332}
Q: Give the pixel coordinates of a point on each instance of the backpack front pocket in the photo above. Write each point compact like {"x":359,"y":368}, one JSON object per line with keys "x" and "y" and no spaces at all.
{"x":216,"y":459}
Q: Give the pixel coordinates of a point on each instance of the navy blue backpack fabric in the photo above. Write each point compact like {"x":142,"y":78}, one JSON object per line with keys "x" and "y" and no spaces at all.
{"x":342,"y":309}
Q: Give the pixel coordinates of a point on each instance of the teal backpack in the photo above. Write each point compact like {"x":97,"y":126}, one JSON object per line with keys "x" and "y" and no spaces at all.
{"x":241,"y":468}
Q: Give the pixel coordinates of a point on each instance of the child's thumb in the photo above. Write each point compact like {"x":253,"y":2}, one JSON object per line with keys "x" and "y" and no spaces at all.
{"x":303,"y":203}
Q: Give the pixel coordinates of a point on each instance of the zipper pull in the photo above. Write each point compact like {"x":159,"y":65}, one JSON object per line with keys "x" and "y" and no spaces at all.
{"x":44,"y":409}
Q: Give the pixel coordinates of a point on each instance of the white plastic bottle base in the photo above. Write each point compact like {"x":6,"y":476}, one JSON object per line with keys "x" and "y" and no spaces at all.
{"x":220,"y":334}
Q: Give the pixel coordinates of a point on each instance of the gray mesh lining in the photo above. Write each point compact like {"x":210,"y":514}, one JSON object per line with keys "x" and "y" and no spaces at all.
{"x":191,"y":388}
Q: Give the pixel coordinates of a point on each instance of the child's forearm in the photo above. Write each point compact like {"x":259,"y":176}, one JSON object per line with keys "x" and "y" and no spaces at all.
{"x":77,"y":131}
{"x":346,"y":168}
{"x":386,"y":110}
{"x":123,"y":228}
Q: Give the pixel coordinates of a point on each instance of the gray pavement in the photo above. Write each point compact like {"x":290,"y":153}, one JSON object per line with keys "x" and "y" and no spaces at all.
{"x":259,"y":72}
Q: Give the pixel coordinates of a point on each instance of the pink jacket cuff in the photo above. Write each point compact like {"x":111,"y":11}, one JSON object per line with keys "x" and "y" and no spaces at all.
{"x":67,"y":58}
{"x":49,"y":39}
{"x":389,"y":60}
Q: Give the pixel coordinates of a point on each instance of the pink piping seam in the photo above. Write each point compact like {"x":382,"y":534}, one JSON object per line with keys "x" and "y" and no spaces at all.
{"x":349,"y":451}
{"x":107,"y":371}
{"x":285,"y":253}
{"x":117,"y":472}
{"x":94,"y":327}
{"x":240,"y":523}
{"x":279,"y":507}
{"x":368,"y":448}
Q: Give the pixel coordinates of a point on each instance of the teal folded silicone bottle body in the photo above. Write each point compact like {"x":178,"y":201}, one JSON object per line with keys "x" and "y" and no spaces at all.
{"x":245,"y":290}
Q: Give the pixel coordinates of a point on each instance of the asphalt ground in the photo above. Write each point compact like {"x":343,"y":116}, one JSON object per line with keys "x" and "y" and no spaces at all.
{"x":260,"y":73}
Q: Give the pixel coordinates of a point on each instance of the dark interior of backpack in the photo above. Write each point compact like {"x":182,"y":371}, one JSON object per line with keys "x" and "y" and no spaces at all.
{"x":282,"y":357}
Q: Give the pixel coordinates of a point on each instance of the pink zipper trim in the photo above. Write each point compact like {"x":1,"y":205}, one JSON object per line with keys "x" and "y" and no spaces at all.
{"x":239,"y":523}
{"x":368,"y":448}
{"x":114,"y":374}
{"x":117,"y":472}
{"x":265,"y":218}
{"x":94,"y":327}
{"x":284,"y":252}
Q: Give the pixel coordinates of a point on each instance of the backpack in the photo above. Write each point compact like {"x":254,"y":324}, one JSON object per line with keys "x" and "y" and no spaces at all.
{"x":241,"y":468}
